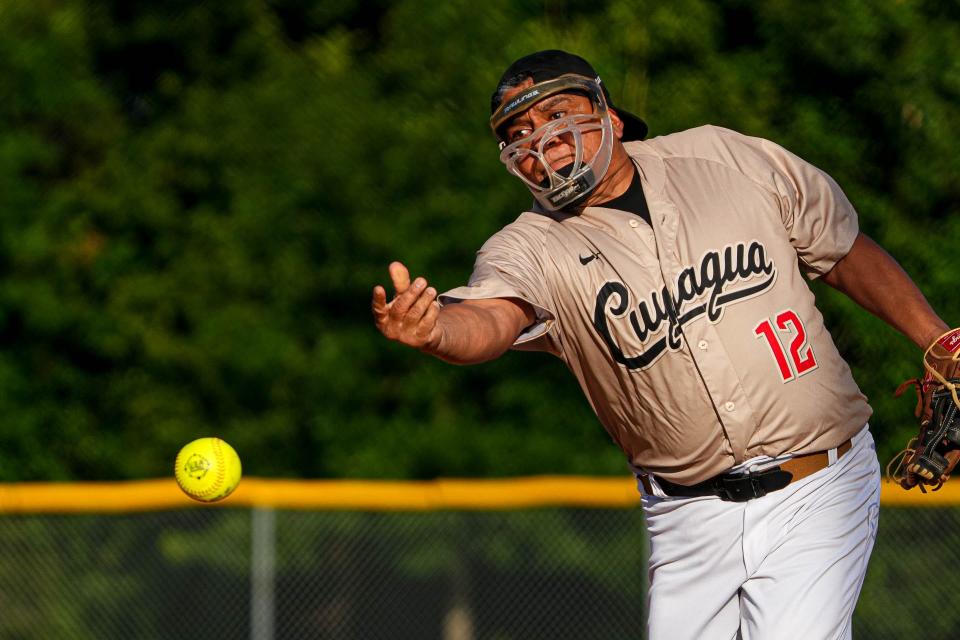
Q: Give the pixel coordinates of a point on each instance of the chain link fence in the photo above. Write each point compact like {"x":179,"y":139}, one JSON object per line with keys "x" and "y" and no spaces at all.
{"x":264,"y":574}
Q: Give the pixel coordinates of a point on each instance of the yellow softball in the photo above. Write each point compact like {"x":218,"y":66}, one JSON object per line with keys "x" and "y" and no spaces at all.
{"x":207,"y":469}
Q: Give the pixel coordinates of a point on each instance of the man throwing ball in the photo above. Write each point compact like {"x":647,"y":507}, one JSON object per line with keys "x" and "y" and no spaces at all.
{"x":669,"y":275}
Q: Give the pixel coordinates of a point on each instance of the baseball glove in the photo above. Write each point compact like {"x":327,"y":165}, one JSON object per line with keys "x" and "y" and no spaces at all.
{"x":930,"y":458}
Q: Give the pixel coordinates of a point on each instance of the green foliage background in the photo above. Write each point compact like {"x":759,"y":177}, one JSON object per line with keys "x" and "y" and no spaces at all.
{"x":197,"y":198}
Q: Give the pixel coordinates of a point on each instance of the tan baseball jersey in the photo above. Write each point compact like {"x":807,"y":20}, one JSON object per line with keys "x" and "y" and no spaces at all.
{"x":695,"y":338}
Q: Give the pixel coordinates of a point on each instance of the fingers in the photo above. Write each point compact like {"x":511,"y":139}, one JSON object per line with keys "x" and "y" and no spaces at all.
{"x":402,"y":303}
{"x":411,"y":317}
{"x":428,"y":323}
{"x":400,"y":277}
{"x":421,"y":306}
{"x":379,"y":303}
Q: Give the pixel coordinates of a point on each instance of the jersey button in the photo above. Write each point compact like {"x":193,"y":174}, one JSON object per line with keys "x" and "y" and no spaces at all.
{"x":729,"y":406}
{"x":702,"y":345}
{"x":634,"y":224}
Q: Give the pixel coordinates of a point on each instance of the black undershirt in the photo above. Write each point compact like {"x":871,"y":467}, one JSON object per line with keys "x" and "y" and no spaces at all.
{"x":632,"y":200}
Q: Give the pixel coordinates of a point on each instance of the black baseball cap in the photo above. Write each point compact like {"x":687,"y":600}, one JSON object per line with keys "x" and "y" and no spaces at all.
{"x":553,"y":63}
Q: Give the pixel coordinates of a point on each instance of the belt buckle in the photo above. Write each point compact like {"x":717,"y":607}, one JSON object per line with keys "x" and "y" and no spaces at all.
{"x":743,"y":487}
{"x":740,"y":488}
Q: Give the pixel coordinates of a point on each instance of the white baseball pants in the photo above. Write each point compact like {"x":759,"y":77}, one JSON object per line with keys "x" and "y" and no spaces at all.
{"x":789,"y":565}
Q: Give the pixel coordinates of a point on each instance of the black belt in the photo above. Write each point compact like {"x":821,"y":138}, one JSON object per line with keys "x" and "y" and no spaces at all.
{"x":740,"y":487}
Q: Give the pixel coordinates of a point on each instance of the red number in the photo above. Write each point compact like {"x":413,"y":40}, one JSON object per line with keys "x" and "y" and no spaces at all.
{"x":801,"y":354}
{"x":805,"y":362}
{"x":764,"y":329}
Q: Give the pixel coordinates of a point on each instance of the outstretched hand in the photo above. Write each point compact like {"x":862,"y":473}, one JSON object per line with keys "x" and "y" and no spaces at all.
{"x":411,"y":317}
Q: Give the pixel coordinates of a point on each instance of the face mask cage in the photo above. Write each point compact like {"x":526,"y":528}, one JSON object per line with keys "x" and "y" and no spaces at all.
{"x":558,"y":189}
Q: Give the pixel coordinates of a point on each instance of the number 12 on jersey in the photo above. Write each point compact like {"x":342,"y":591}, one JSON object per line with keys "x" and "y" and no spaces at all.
{"x":801,"y":359}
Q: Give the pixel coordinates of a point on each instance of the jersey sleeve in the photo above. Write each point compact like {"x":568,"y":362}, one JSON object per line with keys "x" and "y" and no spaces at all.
{"x":820,"y":220}
{"x":509,"y":265}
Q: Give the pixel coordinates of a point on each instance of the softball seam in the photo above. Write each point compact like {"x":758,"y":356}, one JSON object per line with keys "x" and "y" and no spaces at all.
{"x":221,"y":472}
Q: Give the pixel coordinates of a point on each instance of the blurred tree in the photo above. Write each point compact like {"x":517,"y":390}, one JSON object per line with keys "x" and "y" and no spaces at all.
{"x":196,"y":199}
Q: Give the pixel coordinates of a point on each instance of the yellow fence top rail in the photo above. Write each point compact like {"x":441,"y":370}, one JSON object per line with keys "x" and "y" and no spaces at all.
{"x":370,"y":495}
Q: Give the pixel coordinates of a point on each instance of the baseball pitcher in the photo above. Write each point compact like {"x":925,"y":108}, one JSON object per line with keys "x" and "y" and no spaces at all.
{"x":670,"y":277}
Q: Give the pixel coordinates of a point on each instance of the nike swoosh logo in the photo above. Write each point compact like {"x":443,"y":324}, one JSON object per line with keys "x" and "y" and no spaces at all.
{"x":590,"y":258}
